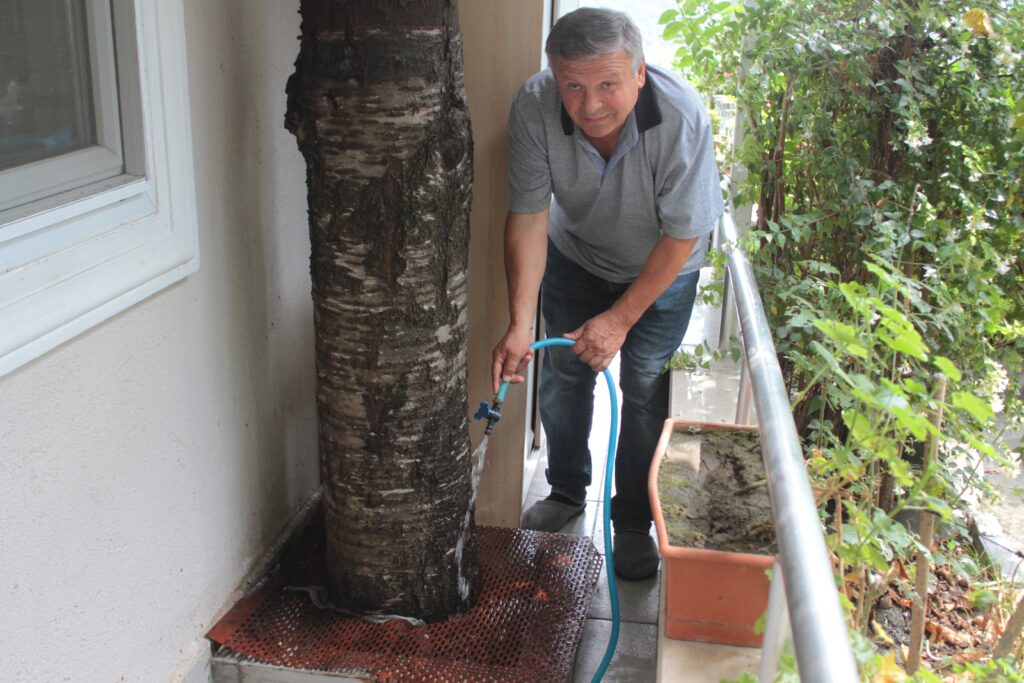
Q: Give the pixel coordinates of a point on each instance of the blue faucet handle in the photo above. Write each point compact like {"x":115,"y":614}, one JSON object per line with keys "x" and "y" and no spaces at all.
{"x":484,"y":412}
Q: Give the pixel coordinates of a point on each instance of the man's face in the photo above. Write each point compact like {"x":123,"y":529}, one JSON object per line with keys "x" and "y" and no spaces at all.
{"x":599,"y":93}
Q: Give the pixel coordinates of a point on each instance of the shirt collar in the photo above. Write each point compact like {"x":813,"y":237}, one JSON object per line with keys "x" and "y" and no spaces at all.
{"x":648,"y":114}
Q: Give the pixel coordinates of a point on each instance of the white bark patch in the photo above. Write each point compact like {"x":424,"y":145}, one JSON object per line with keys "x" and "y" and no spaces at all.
{"x":397,"y":492}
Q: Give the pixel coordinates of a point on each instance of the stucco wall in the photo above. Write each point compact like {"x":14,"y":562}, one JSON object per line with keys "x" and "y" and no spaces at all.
{"x":502,"y":45}
{"x":146,"y":465}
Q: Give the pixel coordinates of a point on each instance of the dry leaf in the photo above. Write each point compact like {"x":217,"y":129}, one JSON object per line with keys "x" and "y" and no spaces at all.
{"x":898,"y":599}
{"x":978,"y":21}
{"x":969,"y":656}
{"x":943,"y":633}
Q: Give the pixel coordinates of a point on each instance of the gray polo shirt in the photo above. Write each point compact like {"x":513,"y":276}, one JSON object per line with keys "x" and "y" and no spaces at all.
{"x":606,"y":216}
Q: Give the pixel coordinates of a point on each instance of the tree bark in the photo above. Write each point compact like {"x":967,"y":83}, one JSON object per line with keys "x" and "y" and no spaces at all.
{"x":379,"y":110}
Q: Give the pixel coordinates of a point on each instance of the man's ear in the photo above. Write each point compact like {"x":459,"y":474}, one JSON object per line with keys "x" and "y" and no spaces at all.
{"x":641,"y":73}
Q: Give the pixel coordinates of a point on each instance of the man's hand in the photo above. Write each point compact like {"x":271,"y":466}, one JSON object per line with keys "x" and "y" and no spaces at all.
{"x":512,"y":354}
{"x":599,"y":339}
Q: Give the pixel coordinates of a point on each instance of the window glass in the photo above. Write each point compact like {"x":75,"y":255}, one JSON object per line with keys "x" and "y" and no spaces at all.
{"x":46,"y":105}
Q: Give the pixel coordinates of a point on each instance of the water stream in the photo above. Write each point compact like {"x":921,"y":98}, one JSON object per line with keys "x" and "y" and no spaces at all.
{"x":477,"y":460}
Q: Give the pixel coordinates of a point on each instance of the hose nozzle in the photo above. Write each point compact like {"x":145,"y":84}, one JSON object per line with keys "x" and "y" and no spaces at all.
{"x":491,"y":413}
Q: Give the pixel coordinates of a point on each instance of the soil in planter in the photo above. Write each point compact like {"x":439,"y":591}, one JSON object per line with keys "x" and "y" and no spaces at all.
{"x":714,"y":493}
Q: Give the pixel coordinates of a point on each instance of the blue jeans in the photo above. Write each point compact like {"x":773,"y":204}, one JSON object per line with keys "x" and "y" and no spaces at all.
{"x":570,"y":296}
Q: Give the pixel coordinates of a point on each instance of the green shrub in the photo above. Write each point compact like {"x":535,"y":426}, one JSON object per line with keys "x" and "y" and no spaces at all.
{"x":883,"y":145}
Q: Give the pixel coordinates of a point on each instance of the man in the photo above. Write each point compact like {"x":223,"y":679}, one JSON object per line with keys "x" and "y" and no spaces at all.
{"x":614,"y":192}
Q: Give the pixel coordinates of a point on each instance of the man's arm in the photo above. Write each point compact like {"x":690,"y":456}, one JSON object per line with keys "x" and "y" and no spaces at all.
{"x":601,"y":337}
{"x":526,"y":253}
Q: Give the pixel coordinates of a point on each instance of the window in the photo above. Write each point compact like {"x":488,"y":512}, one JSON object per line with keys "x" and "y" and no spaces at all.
{"x":62,"y":105}
{"x":97,"y":206}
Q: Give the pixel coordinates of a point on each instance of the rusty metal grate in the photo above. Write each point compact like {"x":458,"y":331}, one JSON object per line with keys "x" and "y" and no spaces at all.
{"x":525,"y":626}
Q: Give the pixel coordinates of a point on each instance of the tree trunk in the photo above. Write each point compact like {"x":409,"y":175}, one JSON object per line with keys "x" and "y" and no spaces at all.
{"x":379,"y":110}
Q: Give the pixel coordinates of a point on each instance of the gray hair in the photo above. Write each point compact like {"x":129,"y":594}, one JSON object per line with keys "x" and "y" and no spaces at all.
{"x":589,"y":32}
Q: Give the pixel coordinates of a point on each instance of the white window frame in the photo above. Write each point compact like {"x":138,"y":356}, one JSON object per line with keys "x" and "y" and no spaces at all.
{"x":68,"y":265}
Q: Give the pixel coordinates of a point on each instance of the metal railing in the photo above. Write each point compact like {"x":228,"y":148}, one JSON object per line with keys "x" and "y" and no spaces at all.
{"x":820,"y":639}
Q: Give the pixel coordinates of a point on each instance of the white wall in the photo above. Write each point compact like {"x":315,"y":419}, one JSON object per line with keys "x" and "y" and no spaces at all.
{"x":147,"y":464}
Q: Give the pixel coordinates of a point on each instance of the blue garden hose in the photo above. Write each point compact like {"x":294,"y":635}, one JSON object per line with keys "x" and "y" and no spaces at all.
{"x":492,"y":413}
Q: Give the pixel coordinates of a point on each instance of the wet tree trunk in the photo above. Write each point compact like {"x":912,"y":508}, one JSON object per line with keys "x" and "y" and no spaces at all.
{"x":379,"y":110}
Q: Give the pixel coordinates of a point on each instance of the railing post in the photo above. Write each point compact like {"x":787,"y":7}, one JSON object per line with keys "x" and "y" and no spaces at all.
{"x":777,"y":633}
{"x":727,"y":325}
{"x":743,"y":396}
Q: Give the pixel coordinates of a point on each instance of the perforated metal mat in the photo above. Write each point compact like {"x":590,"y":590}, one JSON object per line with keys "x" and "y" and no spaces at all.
{"x":525,"y":626}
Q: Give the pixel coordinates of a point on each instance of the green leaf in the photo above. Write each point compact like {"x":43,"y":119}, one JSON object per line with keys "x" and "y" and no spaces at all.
{"x":915,"y":387}
{"x":667,"y":16}
{"x":827,"y":356}
{"x":947,"y":368}
{"x":683,"y":57}
{"x":978,"y":408}
{"x":900,"y":470}
{"x":876,"y":559}
{"x":884,"y":277}
{"x":926,"y":676}
{"x":908,"y":344}
{"x":843,"y":335}
{"x":759,"y":624}
{"x":981,"y":446}
{"x":857,"y":296}
{"x":914,"y":423}
{"x":672,"y":30}
{"x":905,"y":340}
{"x":858,"y":424}
{"x":938,"y":506}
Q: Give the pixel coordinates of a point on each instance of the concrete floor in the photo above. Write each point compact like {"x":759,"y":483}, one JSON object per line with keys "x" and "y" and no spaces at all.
{"x":643,"y":654}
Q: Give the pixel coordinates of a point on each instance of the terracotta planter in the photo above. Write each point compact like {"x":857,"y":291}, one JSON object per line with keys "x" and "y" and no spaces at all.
{"x":711,"y":595}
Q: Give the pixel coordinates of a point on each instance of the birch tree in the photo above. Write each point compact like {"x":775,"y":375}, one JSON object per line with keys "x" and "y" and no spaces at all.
{"x":378,"y":107}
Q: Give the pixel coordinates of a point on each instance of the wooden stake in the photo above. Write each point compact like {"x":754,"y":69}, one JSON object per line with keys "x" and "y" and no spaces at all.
{"x":1011,"y":633}
{"x":919,"y":608}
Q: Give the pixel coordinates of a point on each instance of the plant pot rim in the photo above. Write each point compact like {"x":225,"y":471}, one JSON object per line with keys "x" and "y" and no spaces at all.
{"x":708,"y":555}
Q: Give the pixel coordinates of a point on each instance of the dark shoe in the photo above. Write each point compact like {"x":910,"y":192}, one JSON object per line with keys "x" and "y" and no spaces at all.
{"x":635,"y":555}
{"x":550,"y":515}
